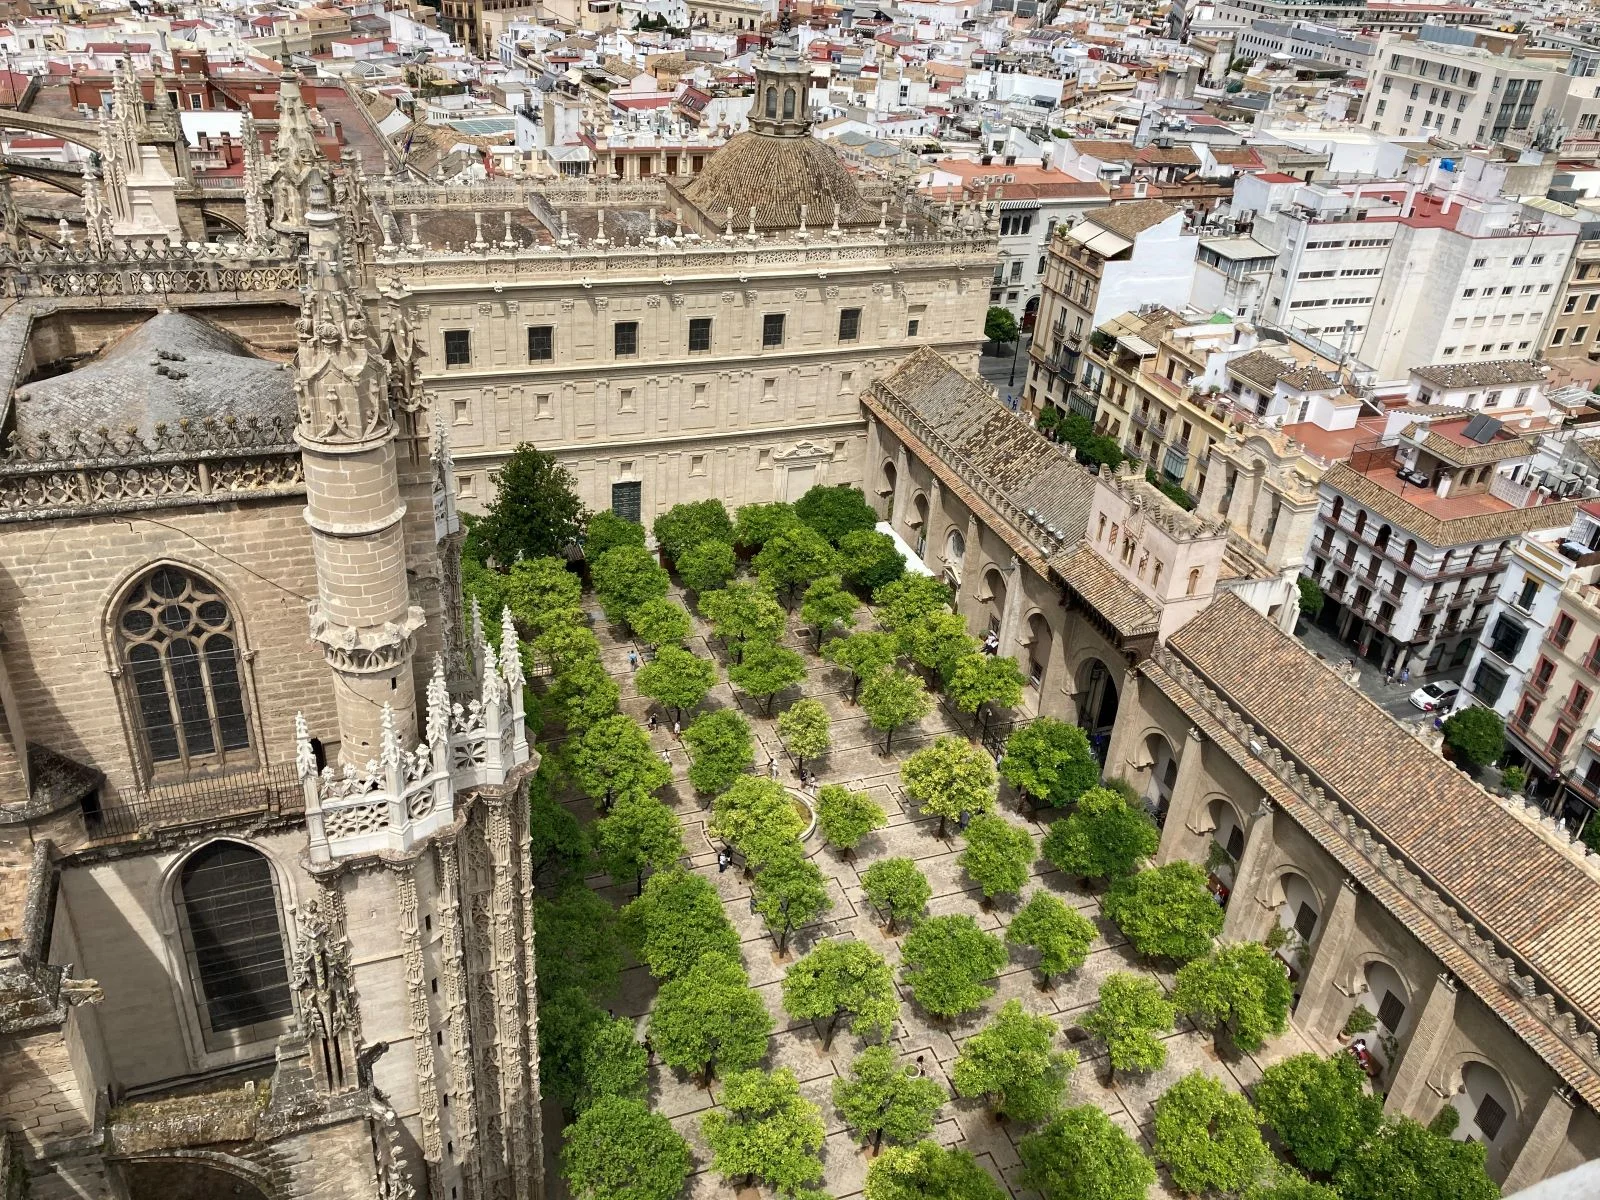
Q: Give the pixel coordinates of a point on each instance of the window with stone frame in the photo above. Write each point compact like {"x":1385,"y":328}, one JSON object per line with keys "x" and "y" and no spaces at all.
{"x":1391,"y":1011}
{"x":179,"y":650}
{"x":849,"y":324}
{"x":771,"y":330}
{"x":625,"y":339}
{"x":1489,"y":1118}
{"x":234,"y":941}
{"x":699,"y":334}
{"x":541,"y":343}
{"x":458,"y":347}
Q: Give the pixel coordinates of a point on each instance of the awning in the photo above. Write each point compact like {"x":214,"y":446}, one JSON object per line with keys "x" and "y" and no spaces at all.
{"x":1107,"y":244}
{"x":1136,"y":345}
{"x":913,"y":564}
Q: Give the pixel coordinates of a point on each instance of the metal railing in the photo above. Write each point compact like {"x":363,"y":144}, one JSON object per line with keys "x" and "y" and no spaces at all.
{"x":271,"y":791}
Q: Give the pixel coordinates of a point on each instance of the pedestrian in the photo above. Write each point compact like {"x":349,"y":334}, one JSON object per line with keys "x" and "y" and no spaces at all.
{"x":676,"y":730}
{"x":1388,"y":674}
{"x":1405,"y":674}
{"x":666,"y":757}
{"x":772,"y":767}
{"x":652,"y":723}
{"x":961,"y":822}
{"x":722,"y":861}
{"x":921,"y":1069}
{"x":633,"y":660}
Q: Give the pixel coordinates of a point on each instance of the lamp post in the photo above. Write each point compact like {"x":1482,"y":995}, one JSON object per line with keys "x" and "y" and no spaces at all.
{"x":1016,"y":350}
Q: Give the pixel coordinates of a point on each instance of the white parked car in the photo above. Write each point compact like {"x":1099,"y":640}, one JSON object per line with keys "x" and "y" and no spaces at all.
{"x":1435,"y":697}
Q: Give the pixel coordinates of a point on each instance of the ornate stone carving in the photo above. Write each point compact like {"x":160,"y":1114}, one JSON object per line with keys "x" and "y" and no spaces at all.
{"x":341,"y":381}
{"x":324,"y":985}
{"x":452,"y":952}
{"x":417,"y":1011}
{"x":402,"y":351}
{"x":652,"y":301}
{"x":369,"y":649}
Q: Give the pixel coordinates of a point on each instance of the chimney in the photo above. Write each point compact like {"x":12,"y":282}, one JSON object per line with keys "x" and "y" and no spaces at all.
{"x":338,"y":132}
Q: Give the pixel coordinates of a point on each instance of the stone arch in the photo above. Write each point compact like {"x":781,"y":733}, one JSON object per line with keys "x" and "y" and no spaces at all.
{"x":1488,"y":1105}
{"x":195,"y":1175}
{"x":772,"y":101}
{"x":891,"y":479}
{"x":954,"y":549}
{"x":1041,"y":642}
{"x":919,"y":522}
{"x":992,"y":611}
{"x":788,"y":104}
{"x":1298,"y":911}
{"x":1098,"y":698}
{"x":1163,"y":767}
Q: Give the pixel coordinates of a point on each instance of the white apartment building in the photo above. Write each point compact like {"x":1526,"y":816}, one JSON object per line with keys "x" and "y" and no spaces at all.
{"x":1306,"y":39}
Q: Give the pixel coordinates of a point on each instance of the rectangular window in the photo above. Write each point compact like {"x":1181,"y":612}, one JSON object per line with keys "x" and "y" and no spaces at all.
{"x":912,"y":326}
{"x":1391,"y":1011}
{"x":771,"y":330}
{"x":699,"y":334}
{"x":457,"y":348}
{"x":1562,"y":631}
{"x":627,"y":500}
{"x":849,"y":324}
{"x":541,"y":343}
{"x":625,"y":338}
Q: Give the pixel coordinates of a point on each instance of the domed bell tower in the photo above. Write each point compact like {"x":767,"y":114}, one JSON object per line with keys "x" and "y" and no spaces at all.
{"x":783,"y":80}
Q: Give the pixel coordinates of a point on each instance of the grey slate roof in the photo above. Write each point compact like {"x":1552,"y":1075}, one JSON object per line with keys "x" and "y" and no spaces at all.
{"x":172,"y":368}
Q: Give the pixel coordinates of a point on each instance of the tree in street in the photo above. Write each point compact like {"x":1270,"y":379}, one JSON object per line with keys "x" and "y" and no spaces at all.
{"x":568,"y":1019}
{"x":936,"y":642}
{"x":793,"y":559}
{"x":660,"y":623}
{"x":1318,"y":1107}
{"x":892,"y":699}
{"x":1060,"y":934}
{"x":624,"y":578}
{"x":1403,"y":1160}
{"x":869,"y":559}
{"x":790,"y":891}
{"x":536,"y":512}
{"x":742,"y":613}
{"x":806,"y":730}
{"x":982,"y":683}
{"x":1000,"y":325}
{"x":619,"y":1150}
{"x":1050,"y":762}
{"x":567,"y":646}
{"x":1081,"y":1155}
{"x":613,"y":1064}
{"x":885,"y":1098}
{"x":606,"y":531}
{"x":836,"y":511}
{"x":676,"y":922}
{"x":614,"y":758}
{"x":1012,"y":1062}
{"x":677,"y":679}
{"x":1242,"y":988}
{"x":639,"y":834}
{"x":719,"y":750}
{"x":1166,"y":912}
{"x":685,"y":526}
{"x":765,"y":669}
{"x":863,"y":654}
{"x":845,"y":817}
{"x":1476,"y":734}
{"x":1311,"y":597}
{"x":1208,"y":1137}
{"x":928,"y":1171}
{"x":908,"y":599}
{"x":765,"y":1130}
{"x":536,"y":588}
{"x":1104,"y":837}
{"x":710,"y":1019}
{"x":1131,"y":1013}
{"x":998,"y":855}
{"x":840,"y":979}
{"x":946,"y":963}
{"x":706,"y":566}
{"x":754,"y":525}
{"x":950,"y":779}
{"x":828,"y":607}
{"x":897,"y":889}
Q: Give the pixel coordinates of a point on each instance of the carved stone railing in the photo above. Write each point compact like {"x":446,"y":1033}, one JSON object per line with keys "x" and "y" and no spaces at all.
{"x":405,"y":796}
{"x":499,"y":193}
{"x":148,"y":269}
{"x":1458,"y":925}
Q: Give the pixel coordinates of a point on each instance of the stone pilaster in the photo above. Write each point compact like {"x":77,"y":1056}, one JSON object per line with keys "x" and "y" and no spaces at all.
{"x":531,"y":1003}
{"x":417,"y":1012}
{"x":1247,"y":902}
{"x":452,"y":953}
{"x":509,"y":1026}
{"x":1422,"y":1050}
{"x":1125,"y":732}
{"x":1321,"y":994}
{"x":1544,"y":1141}
{"x":1183,"y":823}
{"x":902,"y":490}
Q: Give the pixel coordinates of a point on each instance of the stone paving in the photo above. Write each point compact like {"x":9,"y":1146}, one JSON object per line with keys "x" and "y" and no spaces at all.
{"x":858,"y":761}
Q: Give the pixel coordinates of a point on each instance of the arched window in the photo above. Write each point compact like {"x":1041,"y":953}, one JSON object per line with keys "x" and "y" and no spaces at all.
{"x":788,"y":103}
{"x":1361,"y":522}
{"x":1338,"y":508}
{"x":772,"y":102}
{"x":180,"y":650}
{"x":234,"y":940}
{"x":1194,"y":582}
{"x":1381,"y":542}
{"x":1411,"y":550}
{"x":955,"y":548}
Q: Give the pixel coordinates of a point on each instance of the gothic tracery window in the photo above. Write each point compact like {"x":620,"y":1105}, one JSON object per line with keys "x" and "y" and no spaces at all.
{"x":180,"y":650}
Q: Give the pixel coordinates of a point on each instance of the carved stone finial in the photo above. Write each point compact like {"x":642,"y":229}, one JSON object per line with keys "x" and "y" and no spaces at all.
{"x":305,"y":758}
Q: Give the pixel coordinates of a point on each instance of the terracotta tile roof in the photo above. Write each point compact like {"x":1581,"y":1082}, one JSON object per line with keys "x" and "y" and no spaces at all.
{"x":1443,"y":531}
{"x":1306,"y":378}
{"x":775,"y":176}
{"x":1112,"y":596}
{"x":1452,"y":451}
{"x":1260,"y":368}
{"x":1131,"y":218}
{"x":1481,"y":374}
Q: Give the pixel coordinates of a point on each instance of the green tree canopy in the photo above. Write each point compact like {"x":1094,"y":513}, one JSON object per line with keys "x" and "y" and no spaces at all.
{"x":1050,"y":762}
{"x":998,"y":856}
{"x":863,"y":655}
{"x":793,"y":559}
{"x":676,"y":922}
{"x":614,"y":1064}
{"x":606,"y":531}
{"x":840,"y":979}
{"x":1166,"y":912}
{"x":706,"y":566}
{"x":805,"y":729}
{"x":581,"y":695}
{"x":710,"y":1019}
{"x":639,"y":834}
{"x":677,"y":679}
{"x":684,"y":526}
{"x":909,"y":599}
{"x":1285,"y":1183}
{"x":927,"y":1171}
{"x":614,"y":758}
{"x":1476,"y":734}
{"x":947,"y":962}
{"x":1241,"y":988}
{"x":1403,"y":1160}
{"x":1104,"y":837}
{"x":845,"y":817}
{"x":937,"y":641}
{"x":752,"y":809}
{"x":765,"y":669}
{"x":567,"y":646}
{"x":1060,"y":934}
{"x":869,"y":559}
{"x":828,"y":607}
{"x":1012,"y":1062}
{"x":577,"y":932}
{"x":556,"y":840}
{"x":1131,"y":1013}
{"x":1318,"y":1107}
{"x":620,"y":1150}
{"x":536,"y":512}
{"x":536,"y":588}
{"x":1081,"y":1155}
{"x":1311,"y":598}
{"x":567,"y":1020}
{"x":1000,"y":325}
{"x":742,"y":613}
{"x":624,"y":578}
{"x":660,"y":622}
{"x":719,"y":750}
{"x":790,"y":891}
{"x":950,"y":779}
{"x":1208,"y":1137}
{"x":766,"y":1129}
{"x":487,"y":588}
{"x":897,"y":888}
{"x":756,"y":524}
{"x":984,"y":681}
{"x":836,"y":511}
{"x":885,"y":1098}
{"x":892,"y":699}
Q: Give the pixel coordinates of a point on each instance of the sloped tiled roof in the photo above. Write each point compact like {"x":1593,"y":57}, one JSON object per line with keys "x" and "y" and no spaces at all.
{"x":1132,"y":217}
{"x":1112,"y":596}
{"x":1441,"y":531}
{"x":1260,"y":368}
{"x":1481,"y":374}
{"x":775,"y":175}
